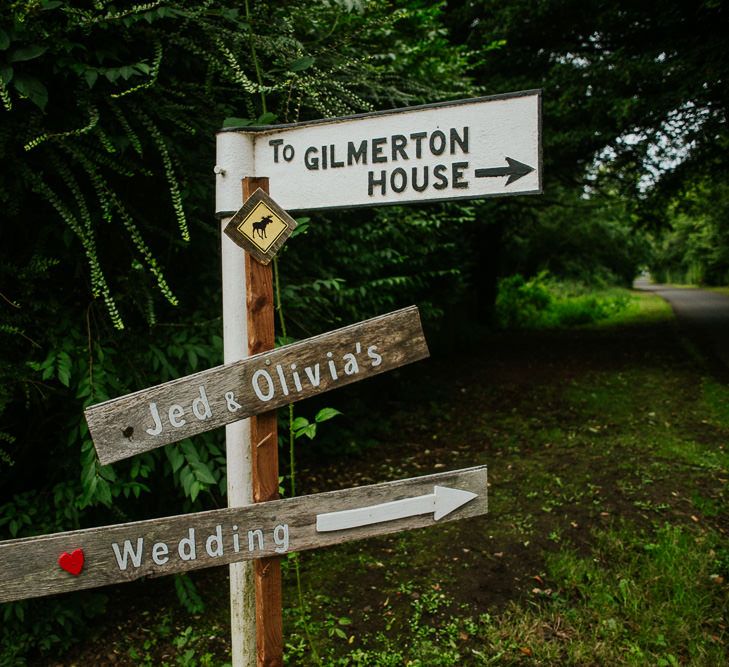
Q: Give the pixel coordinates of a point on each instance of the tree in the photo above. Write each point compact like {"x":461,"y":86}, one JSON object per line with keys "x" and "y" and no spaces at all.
{"x":695,"y":246}
{"x":109,"y":260}
{"x":634,"y":79}
{"x":635,"y":107}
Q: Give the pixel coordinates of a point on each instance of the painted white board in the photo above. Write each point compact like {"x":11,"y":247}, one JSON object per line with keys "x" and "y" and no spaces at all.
{"x":440,"y":503}
{"x":466,"y":149}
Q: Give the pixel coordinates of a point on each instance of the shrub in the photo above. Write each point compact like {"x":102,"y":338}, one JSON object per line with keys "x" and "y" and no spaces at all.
{"x":522,"y":304}
{"x":543,"y":302}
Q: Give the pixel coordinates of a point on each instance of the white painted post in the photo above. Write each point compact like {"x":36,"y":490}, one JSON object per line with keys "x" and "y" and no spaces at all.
{"x":232,"y":162}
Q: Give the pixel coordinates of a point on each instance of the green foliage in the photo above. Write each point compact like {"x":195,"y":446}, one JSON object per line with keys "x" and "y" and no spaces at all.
{"x":634,"y":112}
{"x":45,"y":625}
{"x":108,"y":116}
{"x":522,"y":304}
{"x":594,"y":240}
{"x":639,"y":84}
{"x":541,"y":302}
{"x":146,"y":80}
{"x":188,"y":595}
{"x":378,"y":260}
{"x":695,"y":247}
{"x":303,"y":427}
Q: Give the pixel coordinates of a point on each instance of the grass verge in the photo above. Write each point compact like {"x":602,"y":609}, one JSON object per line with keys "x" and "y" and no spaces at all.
{"x":639,"y":598}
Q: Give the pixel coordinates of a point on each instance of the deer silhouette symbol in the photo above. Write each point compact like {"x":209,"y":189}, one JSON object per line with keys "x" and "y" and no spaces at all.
{"x":261,"y":225}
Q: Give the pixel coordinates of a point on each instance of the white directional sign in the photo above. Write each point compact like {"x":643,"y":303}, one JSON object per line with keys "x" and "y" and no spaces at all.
{"x":453,"y":150}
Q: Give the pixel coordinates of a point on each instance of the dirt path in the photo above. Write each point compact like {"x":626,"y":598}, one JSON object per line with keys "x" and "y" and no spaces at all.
{"x":704,"y":315}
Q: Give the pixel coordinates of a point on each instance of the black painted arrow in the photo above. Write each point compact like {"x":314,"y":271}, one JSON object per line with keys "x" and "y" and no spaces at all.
{"x":514,"y":171}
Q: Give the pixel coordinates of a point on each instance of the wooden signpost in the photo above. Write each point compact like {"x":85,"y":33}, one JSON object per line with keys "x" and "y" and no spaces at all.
{"x":38,"y":566}
{"x":252,"y":461}
{"x":453,"y":150}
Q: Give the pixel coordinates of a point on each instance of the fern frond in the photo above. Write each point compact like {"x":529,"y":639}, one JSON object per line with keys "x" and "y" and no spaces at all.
{"x":143,"y":249}
{"x":172,"y":182}
{"x":153,"y":76}
{"x":105,"y":141}
{"x":99,"y":285}
{"x":236,"y":73}
{"x":90,"y":125}
{"x":69,"y":179}
{"x":5,"y":96}
{"x":130,"y":134}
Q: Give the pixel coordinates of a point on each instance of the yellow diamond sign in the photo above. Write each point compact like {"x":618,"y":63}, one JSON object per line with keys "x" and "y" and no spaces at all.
{"x":261,"y":226}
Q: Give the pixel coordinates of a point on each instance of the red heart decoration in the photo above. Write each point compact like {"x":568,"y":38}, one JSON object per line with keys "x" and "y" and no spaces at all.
{"x":73,"y":562}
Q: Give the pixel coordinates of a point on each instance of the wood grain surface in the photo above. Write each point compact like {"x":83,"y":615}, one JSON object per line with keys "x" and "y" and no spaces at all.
{"x":173,"y":411}
{"x":264,"y":448}
{"x":30,"y":565}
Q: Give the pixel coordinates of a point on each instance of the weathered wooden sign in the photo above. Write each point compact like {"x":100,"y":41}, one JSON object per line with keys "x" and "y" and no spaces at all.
{"x":471,"y":148}
{"x":169,"y":412}
{"x":37,"y":566}
{"x":261,"y":226}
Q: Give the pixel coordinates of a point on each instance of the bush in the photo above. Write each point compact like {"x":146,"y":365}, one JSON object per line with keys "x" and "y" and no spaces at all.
{"x":109,"y":113}
{"x":594,"y":241}
{"x":543,"y":302}
{"x":522,"y":304}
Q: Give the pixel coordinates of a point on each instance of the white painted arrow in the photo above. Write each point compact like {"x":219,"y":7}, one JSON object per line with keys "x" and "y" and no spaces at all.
{"x":442,"y":501}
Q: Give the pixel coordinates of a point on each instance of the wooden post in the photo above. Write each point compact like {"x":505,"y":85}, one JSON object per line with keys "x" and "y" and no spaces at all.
{"x":264,"y":453}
